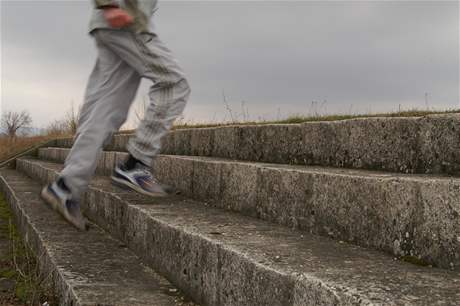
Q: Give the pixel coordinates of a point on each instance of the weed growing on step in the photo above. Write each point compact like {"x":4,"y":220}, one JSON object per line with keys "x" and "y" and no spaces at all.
{"x":296,"y":119}
{"x":19,"y":268}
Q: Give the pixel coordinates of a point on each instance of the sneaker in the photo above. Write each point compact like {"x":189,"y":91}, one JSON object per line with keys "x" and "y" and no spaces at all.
{"x":140,"y":179}
{"x":60,"y":200}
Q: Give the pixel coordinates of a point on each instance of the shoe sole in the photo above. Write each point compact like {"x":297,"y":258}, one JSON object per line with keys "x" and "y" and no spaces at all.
{"x":128,"y":185}
{"x":56,"y":206}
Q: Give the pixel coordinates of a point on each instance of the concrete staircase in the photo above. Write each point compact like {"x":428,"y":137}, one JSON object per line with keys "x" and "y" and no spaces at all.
{"x":324,"y":213}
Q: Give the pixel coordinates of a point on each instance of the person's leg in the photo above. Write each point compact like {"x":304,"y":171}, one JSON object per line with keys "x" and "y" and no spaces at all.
{"x":168,"y":97}
{"x":168,"y":94}
{"x":111,"y":89}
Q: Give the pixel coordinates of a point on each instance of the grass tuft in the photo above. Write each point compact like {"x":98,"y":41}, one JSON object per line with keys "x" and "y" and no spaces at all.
{"x":19,"y":266}
{"x":296,"y":119}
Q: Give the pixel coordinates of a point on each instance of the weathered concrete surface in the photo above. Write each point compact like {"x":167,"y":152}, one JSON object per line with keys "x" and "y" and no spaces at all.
{"x":223,"y":258}
{"x":428,"y":144}
{"x":405,"y":215}
{"x":86,"y":268}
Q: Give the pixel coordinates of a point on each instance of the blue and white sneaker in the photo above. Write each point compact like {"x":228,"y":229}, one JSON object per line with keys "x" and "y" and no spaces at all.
{"x":61,"y":201}
{"x":140,"y":179}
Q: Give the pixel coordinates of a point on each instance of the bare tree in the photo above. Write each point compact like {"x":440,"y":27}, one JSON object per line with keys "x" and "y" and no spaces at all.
{"x":66,"y":126}
{"x":13,"y":122}
{"x":71,"y":120}
{"x":57,"y":128}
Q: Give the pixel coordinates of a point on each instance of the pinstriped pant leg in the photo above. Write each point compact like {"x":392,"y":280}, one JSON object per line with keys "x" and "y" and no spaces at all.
{"x":111,"y":89}
{"x":168,"y":95}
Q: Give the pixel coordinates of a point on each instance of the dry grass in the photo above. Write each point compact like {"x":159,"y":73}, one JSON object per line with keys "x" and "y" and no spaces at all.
{"x":9,"y":147}
{"x":295,"y":119}
{"x":301,"y":119}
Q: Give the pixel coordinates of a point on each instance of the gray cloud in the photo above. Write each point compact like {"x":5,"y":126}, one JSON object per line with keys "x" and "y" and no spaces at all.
{"x":359,"y":56}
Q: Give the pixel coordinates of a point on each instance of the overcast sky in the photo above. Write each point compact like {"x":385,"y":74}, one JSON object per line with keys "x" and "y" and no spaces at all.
{"x":277,"y":57}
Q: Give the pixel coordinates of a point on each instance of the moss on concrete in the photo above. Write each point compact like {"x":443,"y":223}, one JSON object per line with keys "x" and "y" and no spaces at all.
{"x":19,"y":267}
{"x":415,"y":261}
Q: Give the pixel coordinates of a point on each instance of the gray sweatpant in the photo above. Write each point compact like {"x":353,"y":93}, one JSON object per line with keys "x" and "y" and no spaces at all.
{"x":124,"y":58}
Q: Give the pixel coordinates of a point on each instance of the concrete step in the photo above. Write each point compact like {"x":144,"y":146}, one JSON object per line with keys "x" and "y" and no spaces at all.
{"x":409,"y":145}
{"x":223,"y":258}
{"x":86,"y":268}
{"x":412,"y":216}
